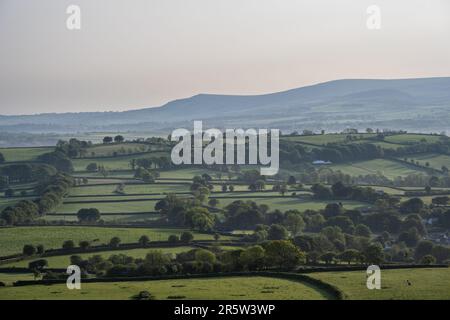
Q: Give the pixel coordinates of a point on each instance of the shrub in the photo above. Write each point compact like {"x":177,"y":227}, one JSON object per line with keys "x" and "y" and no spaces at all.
{"x":29,"y":250}
{"x":187,"y":237}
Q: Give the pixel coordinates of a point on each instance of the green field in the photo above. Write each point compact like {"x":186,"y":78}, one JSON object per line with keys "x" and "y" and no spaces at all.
{"x":116,"y":218}
{"x":130,"y":189}
{"x":114,"y":163}
{"x":64,"y":261}
{"x":388,"y":168}
{"x":189,"y":173}
{"x":10,"y":278}
{"x":5,"y":202}
{"x":429,"y":283}
{"x":104,"y":150}
{"x":235,"y":288}
{"x":323,"y":139}
{"x":110,"y":207}
{"x":13,"y":239}
{"x":289,"y":203}
{"x":23,"y":154}
{"x":436,"y":161}
{"x":412,"y":138}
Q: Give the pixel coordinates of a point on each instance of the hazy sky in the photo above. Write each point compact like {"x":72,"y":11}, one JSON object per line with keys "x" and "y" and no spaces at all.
{"x":140,"y":53}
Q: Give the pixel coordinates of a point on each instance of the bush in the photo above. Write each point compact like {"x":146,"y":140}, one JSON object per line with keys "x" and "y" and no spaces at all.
{"x":68,"y":245}
{"x":144,"y":240}
{"x":173,"y":238}
{"x":29,"y":250}
{"x":428,"y":259}
{"x":143,"y":295}
{"x":114,"y":242}
{"x":187,"y":237}
{"x":92,"y":167}
{"x":84,"y":244}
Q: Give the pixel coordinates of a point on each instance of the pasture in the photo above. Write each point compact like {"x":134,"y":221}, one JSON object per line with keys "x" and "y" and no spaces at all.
{"x":412,"y":138}
{"x":430,"y":283}
{"x":13,"y":239}
{"x":24,"y":154}
{"x":324,"y":139}
{"x":436,"y":161}
{"x":227,"y":288}
{"x":64,"y":260}
{"x":114,"y":163}
{"x":388,"y":168}
{"x":105,"y":150}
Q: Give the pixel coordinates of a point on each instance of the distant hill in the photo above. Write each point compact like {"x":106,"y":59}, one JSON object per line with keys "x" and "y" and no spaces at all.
{"x":413,"y":104}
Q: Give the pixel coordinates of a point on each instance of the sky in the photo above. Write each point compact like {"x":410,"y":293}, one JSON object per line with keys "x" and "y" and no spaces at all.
{"x":143,"y":53}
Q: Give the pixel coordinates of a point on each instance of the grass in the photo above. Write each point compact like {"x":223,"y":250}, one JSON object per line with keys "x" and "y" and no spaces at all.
{"x":235,"y":288}
{"x":13,"y":239}
{"x":10,"y":278}
{"x":431,"y":283}
{"x":288,"y":203}
{"x":436,"y":161}
{"x":5,"y":202}
{"x":117,"y":218}
{"x":325,"y":139}
{"x":23,"y":154}
{"x":114,"y":163}
{"x":189,"y":173}
{"x":110,"y":207}
{"x":412,"y":138}
{"x":64,"y":261}
{"x":104,"y":150}
{"x":388,"y":168}
{"x":130,"y":189}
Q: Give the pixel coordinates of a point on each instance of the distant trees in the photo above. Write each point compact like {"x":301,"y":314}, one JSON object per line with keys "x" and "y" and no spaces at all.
{"x":92,"y":167}
{"x":68,"y":245}
{"x":29,"y":250}
{"x":119,"y":139}
{"x":2,"y":158}
{"x":374,"y":253}
{"x":107,"y":139}
{"x":283,"y":253}
{"x":277,"y":232}
{"x":38,"y":265}
{"x":114,"y":242}
{"x":84,"y":244}
{"x":9,"y":193}
{"x":186,"y":237}
{"x":88,"y":215}
{"x":144,"y":240}
{"x":58,"y":159}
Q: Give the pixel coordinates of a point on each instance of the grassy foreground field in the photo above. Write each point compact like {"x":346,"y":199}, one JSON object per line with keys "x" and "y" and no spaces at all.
{"x":254,"y":288}
{"x":13,"y":239}
{"x":432,"y":283}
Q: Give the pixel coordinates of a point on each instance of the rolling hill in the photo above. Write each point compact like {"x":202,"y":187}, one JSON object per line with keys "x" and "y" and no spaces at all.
{"x":421,"y":104}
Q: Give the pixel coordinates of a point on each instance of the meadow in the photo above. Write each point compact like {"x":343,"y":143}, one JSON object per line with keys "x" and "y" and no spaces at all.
{"x":388,"y":168}
{"x":324,"y":139}
{"x":436,"y":161}
{"x":114,"y":163}
{"x":430,"y":283}
{"x":64,"y":260}
{"x":412,"y":138}
{"x":13,"y":239}
{"x":228,"y":288}
{"x":24,"y":154}
{"x":104,"y":150}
